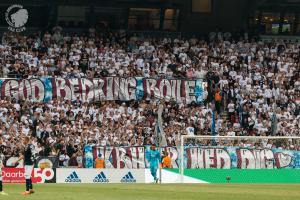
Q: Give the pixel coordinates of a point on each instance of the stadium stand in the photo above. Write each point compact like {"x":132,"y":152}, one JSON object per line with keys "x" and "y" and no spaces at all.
{"x":248,"y":79}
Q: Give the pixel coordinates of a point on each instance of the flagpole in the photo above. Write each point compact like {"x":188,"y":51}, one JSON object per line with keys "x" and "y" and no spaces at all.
{"x":160,"y":167}
{"x":159,"y":149}
{"x":159,"y":135}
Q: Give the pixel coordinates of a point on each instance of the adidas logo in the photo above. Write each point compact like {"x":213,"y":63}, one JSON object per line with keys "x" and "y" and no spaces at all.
{"x":73,"y":178}
{"x":100,"y":178}
{"x":128,"y":178}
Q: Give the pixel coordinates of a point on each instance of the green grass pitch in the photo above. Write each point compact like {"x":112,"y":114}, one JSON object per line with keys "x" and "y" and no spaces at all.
{"x":152,"y":191}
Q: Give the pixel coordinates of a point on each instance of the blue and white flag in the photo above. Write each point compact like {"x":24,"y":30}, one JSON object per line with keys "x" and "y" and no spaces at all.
{"x":213,"y":124}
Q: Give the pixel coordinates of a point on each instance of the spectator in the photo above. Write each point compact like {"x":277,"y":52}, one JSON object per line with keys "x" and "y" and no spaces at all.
{"x":166,"y":161}
{"x":99,"y":162}
{"x":64,"y":160}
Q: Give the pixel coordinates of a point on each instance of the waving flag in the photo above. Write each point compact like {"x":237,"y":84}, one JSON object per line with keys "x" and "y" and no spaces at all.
{"x":160,"y":135}
{"x":274,"y":124}
{"x":213,"y":124}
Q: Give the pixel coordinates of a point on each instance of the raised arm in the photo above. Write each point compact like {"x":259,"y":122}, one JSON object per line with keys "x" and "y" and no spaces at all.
{"x":19,"y":159}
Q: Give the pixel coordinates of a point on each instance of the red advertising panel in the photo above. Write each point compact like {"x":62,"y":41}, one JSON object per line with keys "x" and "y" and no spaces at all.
{"x":16,"y":175}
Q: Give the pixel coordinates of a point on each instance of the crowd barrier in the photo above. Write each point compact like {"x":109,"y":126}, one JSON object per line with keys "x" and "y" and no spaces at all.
{"x":67,"y":175}
{"x":77,"y":175}
{"x":132,"y":176}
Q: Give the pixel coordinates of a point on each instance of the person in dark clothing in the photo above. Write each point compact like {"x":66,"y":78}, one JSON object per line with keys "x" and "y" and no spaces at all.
{"x":28,"y":157}
{"x":73,"y":161}
{"x":218,"y":99}
{"x":2,"y":150}
{"x":245,"y":116}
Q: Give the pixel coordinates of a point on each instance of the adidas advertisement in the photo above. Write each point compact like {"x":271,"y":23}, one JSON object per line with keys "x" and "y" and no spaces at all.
{"x":73,"y":178}
{"x":128,"y":178}
{"x":98,"y":176}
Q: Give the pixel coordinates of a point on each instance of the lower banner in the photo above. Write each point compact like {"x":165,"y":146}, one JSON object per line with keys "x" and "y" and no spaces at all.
{"x":16,"y":175}
{"x":98,"y":176}
{"x":202,"y":157}
{"x":66,"y":175}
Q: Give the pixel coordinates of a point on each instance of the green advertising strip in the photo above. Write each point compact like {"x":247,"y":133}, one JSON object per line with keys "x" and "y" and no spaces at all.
{"x":265,"y":176}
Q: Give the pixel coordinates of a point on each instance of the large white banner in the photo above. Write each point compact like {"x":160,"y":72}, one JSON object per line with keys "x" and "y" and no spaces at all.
{"x":66,"y":175}
{"x":102,"y":89}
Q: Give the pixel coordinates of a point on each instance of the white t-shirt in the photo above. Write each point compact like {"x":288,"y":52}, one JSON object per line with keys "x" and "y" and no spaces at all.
{"x":231,"y":107}
{"x":190,"y":131}
{"x":65,"y":159}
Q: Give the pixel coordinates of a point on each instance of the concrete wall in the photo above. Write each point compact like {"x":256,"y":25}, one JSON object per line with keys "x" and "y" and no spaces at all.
{"x":226,"y":15}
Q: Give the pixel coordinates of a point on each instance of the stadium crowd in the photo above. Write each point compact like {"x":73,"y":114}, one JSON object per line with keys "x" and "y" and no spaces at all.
{"x":253,"y":85}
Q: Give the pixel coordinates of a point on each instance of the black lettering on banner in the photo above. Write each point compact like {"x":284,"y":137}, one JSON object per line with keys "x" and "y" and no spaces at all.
{"x":25,"y":89}
{"x":151,"y":87}
{"x":87,"y":88}
{"x":132,"y":88}
{"x":75,"y":88}
{"x":98,"y":89}
{"x":37,"y":90}
{"x":165,"y":89}
{"x":11,"y":88}
{"x":109,"y":88}
{"x":62,"y":89}
{"x":190,"y":91}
